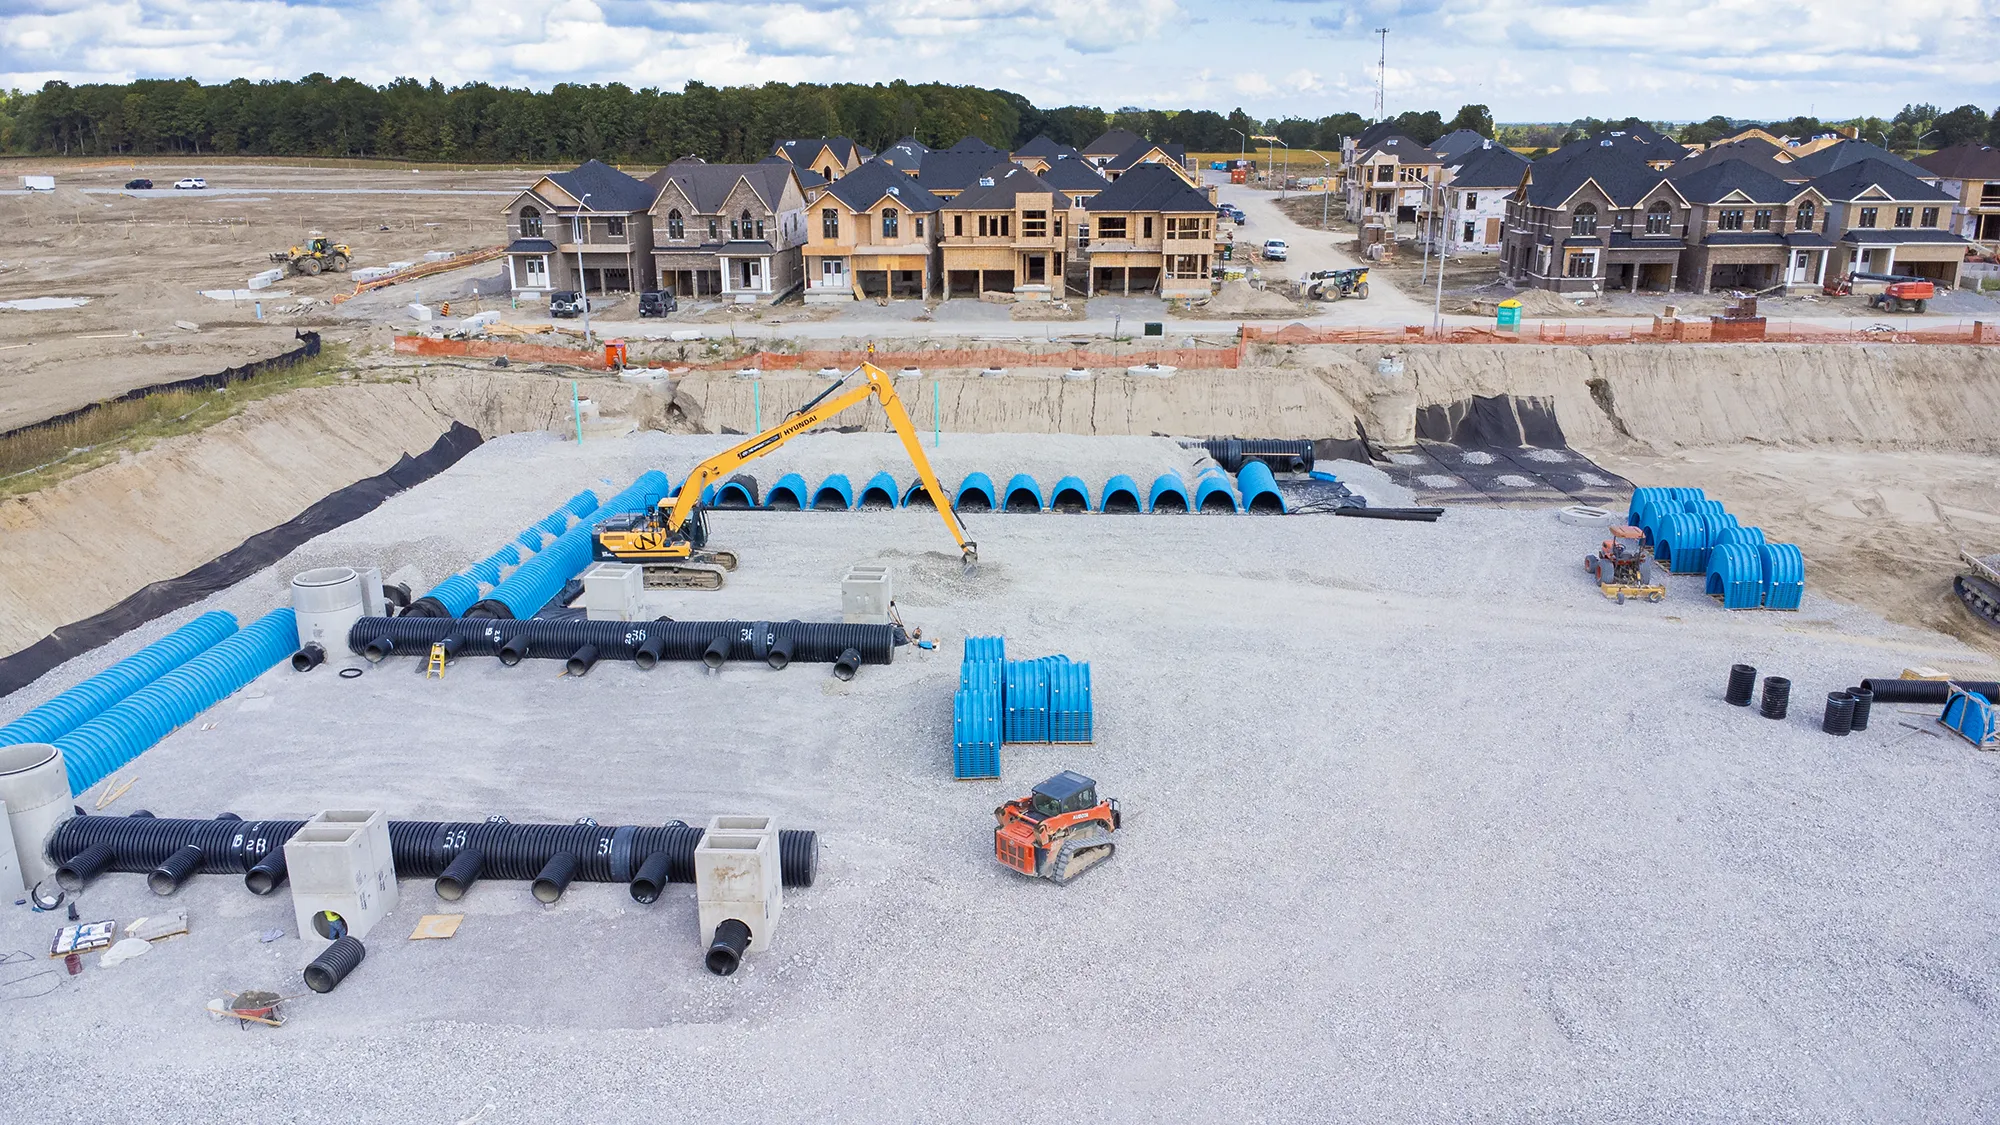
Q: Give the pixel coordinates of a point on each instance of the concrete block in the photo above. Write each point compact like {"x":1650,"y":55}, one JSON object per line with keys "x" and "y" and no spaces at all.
{"x":420,"y":312}
{"x":343,"y":874}
{"x":613,"y":591}
{"x":865,"y":594}
{"x":736,"y":875}
{"x":266,"y":279}
{"x":11,"y":882}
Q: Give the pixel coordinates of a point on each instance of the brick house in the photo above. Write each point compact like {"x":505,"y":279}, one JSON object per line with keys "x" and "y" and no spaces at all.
{"x":1004,"y":234}
{"x":1594,"y":215}
{"x":829,"y":158}
{"x":1970,"y":174}
{"x":1884,"y":221}
{"x":728,"y":230}
{"x":1475,"y":197}
{"x":582,"y":230}
{"x":1391,"y":183}
{"x":1150,"y":231}
{"x":1750,"y":230}
{"x":872,"y":233}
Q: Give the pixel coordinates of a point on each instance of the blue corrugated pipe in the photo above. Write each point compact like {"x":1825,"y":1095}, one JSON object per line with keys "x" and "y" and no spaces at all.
{"x":1782,"y":575}
{"x":1735,"y":575}
{"x":1260,"y":489}
{"x":531,"y":586}
{"x":105,"y":743}
{"x":881,"y":491}
{"x":1070,"y":495}
{"x":1168,"y":487}
{"x":1121,"y":494}
{"x":788,"y":494}
{"x":834,"y":493}
{"x":1212,"y":493}
{"x":977,"y":487}
{"x":98,"y":694}
{"x":1023,"y":495}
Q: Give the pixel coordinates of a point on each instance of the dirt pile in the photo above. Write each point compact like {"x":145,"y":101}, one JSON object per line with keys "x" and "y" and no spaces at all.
{"x":1237,"y":298}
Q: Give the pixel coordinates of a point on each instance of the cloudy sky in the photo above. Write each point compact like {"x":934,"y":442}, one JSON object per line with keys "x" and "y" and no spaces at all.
{"x":1550,"y":61}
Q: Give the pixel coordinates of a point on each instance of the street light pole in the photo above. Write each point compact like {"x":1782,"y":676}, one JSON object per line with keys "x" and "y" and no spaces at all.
{"x":1324,"y":201}
{"x":1437,"y":303}
{"x":580,"y":226}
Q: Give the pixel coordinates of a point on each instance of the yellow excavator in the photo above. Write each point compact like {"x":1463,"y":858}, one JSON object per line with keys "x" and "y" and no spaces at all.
{"x":671,"y":542}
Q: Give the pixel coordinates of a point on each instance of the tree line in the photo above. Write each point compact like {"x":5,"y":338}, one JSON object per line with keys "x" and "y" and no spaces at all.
{"x":481,"y":123}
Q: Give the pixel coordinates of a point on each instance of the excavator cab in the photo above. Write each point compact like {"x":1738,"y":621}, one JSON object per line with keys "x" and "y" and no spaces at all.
{"x":1066,"y":792}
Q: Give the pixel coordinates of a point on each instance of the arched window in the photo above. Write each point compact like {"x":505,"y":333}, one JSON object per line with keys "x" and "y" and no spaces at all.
{"x":1805,"y":216}
{"x":1660,"y":218}
{"x":676,"y":228}
{"x":746,"y":225}
{"x":890,"y":222}
{"x":531,"y":223}
{"x":1584,"y":219}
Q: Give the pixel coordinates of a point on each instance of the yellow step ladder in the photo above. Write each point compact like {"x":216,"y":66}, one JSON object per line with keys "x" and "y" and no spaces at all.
{"x":436,"y":666}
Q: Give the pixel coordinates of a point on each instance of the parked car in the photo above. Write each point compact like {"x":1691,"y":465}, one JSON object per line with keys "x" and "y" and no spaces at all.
{"x":657,"y":303}
{"x":190,"y":183}
{"x":138,"y":185}
{"x":565,"y":303}
{"x":1274,"y":250}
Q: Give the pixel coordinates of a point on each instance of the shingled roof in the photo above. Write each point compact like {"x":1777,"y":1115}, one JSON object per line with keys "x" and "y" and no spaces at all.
{"x":867,"y":185}
{"x":1963,"y":162}
{"x":1716,"y":181}
{"x":1457,"y":144}
{"x":1496,"y":166}
{"x":1074,"y":174}
{"x":707,"y":186}
{"x":1399,"y":146}
{"x":1832,"y":157}
{"x":805,"y":148}
{"x":1848,"y":181}
{"x":1618,"y":170}
{"x":608,"y":188}
{"x":949,"y":170}
{"x":907,"y":154}
{"x":1112,"y":143}
{"x":1150,"y":187}
{"x":1009,"y":180}
{"x":1754,"y":151}
{"x":1046,"y":146}
{"x":970,"y":144}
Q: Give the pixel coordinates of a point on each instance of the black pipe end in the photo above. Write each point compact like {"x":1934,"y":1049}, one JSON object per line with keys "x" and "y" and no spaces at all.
{"x":459,"y":875}
{"x":488,"y":608}
{"x":308,"y":658}
{"x":581,"y":660}
{"x":554,"y":878}
{"x":379,"y":648}
{"x":84,"y":866}
{"x":717,"y":652}
{"x":425,"y":607}
{"x":331,"y":967}
{"x":848,"y":663}
{"x":725,"y":953}
{"x":652,"y":877}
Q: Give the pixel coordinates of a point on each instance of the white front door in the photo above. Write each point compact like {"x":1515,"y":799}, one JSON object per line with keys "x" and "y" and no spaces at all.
{"x":1799,"y":274}
{"x":750,"y":273}
{"x":833,"y":273}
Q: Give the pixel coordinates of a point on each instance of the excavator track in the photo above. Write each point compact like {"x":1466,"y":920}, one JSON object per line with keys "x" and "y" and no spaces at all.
{"x":1079,"y":854}
{"x":1980,"y":596}
{"x":684,"y":576}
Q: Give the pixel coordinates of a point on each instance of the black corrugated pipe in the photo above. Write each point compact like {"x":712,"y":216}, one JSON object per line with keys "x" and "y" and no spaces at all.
{"x":1417,"y":515}
{"x":1864,"y":700}
{"x":647,"y":655}
{"x":1777,"y":697}
{"x":848,"y":664}
{"x":79,"y":869}
{"x":460,"y":874}
{"x":378,"y":647}
{"x":1283,"y":456}
{"x":1742,"y":683}
{"x":167,"y":877}
{"x":512,"y":641}
{"x":331,"y":967}
{"x":88,"y":845}
{"x":732,"y":937}
{"x":651,"y":879}
{"x":425,"y":607}
{"x":554,"y":878}
{"x":1839,"y":718}
{"x":489,"y":609}
{"x":267,"y":874}
{"x":513,"y":650}
{"x":1928,"y":691}
{"x":780,"y":652}
{"x":579,"y":662}
{"x":396,"y":595}
{"x":308,"y":658}
{"x":717,"y":652}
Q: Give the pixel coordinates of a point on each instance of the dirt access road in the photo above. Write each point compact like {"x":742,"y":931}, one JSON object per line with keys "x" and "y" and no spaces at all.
{"x":1310,"y":250}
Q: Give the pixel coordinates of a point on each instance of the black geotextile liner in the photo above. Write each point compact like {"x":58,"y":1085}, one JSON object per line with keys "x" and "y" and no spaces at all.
{"x":308,"y":348}
{"x":255,"y":553}
{"x":1500,"y":450}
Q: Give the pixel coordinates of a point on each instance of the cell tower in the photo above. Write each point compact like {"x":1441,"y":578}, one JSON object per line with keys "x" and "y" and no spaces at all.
{"x":1382,"y":75}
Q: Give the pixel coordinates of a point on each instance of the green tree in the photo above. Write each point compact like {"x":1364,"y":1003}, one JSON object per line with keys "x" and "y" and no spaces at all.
{"x":1477,"y":118}
{"x":1965,"y":124}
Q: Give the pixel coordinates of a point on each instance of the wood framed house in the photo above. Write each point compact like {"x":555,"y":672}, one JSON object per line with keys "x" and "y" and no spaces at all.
{"x":1970,"y":174}
{"x":1038,"y":154}
{"x":829,"y":158}
{"x":1475,"y":197}
{"x":728,"y":230}
{"x":1150,"y":232}
{"x":1005,"y":234}
{"x":583,"y":230}
{"x":871,"y":234}
{"x":1593,"y":215}
{"x":1391,"y":183}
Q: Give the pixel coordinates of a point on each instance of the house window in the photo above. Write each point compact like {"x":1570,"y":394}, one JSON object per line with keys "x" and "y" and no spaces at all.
{"x":1471,"y":200}
{"x":1187,"y":267}
{"x":829,"y":223}
{"x":1034,"y":224}
{"x":1584,"y":221}
{"x":1386,"y":173}
{"x":1467,"y":236}
{"x":760,"y":228}
{"x":1111,"y":228}
{"x":1583,"y":265}
{"x":958,"y":226}
{"x":826,"y":173}
{"x":746,"y":224}
{"x":735,"y":230}
{"x":1930,"y":216}
{"x":982,"y":226}
{"x":920,"y":226}
{"x":676,"y":227}
{"x":1147,"y":226}
{"x":1006,"y":226}
{"x":920,"y":229}
{"x":891,"y":222}
{"x":1762,"y":219}
{"x":1660,"y":218}
{"x":531,"y":223}
{"x":1731,"y":219}
{"x":1904,"y":215}
{"x":615,"y":226}
{"x":1805,"y":216}
{"x":714,"y":230}
{"x":1867,"y":217}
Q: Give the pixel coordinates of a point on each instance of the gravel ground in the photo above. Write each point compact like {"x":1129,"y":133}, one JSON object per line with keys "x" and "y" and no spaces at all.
{"x":1420,"y":828}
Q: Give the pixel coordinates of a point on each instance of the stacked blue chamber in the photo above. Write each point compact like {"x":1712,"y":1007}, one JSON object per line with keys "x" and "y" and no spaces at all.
{"x":92,"y":751}
{"x":98,"y":694}
{"x":453,"y":596}
{"x":976,"y":709}
{"x":537,"y":580}
{"x":1691,"y":534}
{"x":1069,"y":701}
{"x":1025,"y":698}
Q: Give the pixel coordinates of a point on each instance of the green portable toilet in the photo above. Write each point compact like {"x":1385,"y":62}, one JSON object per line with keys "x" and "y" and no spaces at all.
{"x":1509,"y":315}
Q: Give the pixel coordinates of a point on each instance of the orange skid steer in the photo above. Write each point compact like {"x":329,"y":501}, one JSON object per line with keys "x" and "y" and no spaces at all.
{"x":1059,"y":831}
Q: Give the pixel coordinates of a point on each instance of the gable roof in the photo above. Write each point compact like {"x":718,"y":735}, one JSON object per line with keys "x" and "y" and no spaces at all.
{"x":608,"y":188}
{"x":807,"y":148}
{"x":1457,"y":143}
{"x":1386,"y":127}
{"x":1136,"y":154}
{"x":1718,"y":180}
{"x":953,"y":171}
{"x":1399,"y":146}
{"x":867,"y":185}
{"x":1757,"y":153}
{"x":1112,"y":143}
{"x":1963,"y":162}
{"x":969,"y":144}
{"x":1150,"y":187}
{"x":707,"y":186}
{"x":1817,"y":164}
{"x":1495,"y":166}
{"x":1618,"y":170}
{"x":1009,"y":180}
{"x":907,"y":154}
{"x":1044,"y":145}
{"x":807,"y":177}
{"x":1850,"y":180}
{"x":1074,"y":174}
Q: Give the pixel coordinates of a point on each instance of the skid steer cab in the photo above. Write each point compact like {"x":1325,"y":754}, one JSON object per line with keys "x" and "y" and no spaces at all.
{"x":1058,"y":831}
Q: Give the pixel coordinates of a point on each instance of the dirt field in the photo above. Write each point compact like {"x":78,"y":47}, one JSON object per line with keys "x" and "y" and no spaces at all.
{"x":143,"y":259}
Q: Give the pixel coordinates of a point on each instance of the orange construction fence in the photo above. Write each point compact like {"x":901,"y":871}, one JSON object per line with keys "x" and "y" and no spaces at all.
{"x":1662,"y":331}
